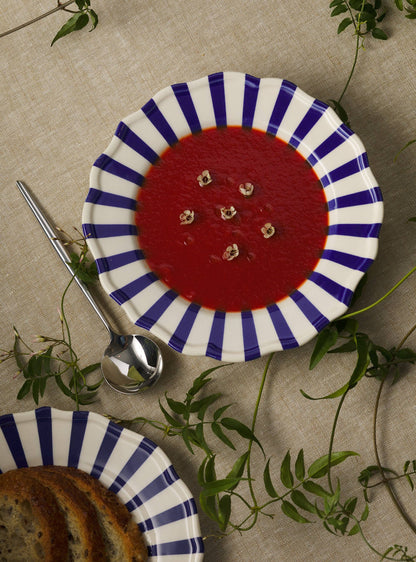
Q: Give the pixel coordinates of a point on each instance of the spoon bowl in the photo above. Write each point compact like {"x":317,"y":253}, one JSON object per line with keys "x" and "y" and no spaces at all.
{"x":131,"y":363}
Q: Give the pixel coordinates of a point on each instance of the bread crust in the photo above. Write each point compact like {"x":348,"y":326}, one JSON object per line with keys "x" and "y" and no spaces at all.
{"x":30,"y":512}
{"x":123,"y":537}
{"x":86,"y":541}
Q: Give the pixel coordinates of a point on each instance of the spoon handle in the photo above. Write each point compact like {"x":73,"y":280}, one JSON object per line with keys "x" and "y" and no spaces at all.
{"x":60,"y":249}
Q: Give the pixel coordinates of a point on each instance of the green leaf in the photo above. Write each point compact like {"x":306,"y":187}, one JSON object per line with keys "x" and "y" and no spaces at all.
{"x":208,"y":506}
{"x":94,"y":19}
{"x":268,"y":481}
{"x":35,"y":390}
{"x":356,"y":4}
{"x":335,"y":394}
{"x":201,"y":381}
{"x":340,"y":111}
{"x":365,"y":513}
{"x":217,"y":430}
{"x":286,"y":475}
{"x":76,"y":22}
{"x":399,"y":4}
{"x":300,"y":500}
{"x":321,"y":466}
{"x":201,"y":472}
{"x":217,"y":486}
{"x":291,"y":511}
{"x":354,"y":530}
{"x":347,"y":347}
{"x":201,"y":406}
{"x":218,"y":413}
{"x":224,"y":511}
{"x":241,"y":429}
{"x":238,"y":467}
{"x":175,"y":406}
{"x":363,"y":360}
{"x":90,"y":369}
{"x":325,"y":340}
{"x":344,"y":24}
{"x":187,"y":439}
{"x":316,"y":489}
{"x":340,"y":9}
{"x":24,"y":389}
{"x":170,"y":419}
{"x":378,"y":33}
{"x":335,"y":3}
{"x":62,"y":386}
{"x":350,"y":505}
{"x":210,"y":472}
{"x":300,"y":466}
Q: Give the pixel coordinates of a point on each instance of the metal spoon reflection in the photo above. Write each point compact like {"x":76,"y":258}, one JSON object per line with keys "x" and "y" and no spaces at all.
{"x":131,"y":363}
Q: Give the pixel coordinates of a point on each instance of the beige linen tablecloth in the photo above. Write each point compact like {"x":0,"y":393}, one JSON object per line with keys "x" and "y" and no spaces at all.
{"x":59,"y":108}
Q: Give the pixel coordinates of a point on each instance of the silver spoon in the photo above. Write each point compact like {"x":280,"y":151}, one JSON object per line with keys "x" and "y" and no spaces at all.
{"x":131,"y":363}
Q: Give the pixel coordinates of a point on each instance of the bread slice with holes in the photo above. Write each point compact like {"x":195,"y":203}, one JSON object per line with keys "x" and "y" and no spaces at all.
{"x":123,"y":539}
{"x":32,"y":525}
{"x":85,"y":539}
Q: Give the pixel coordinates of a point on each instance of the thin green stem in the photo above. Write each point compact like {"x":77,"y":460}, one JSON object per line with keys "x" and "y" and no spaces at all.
{"x":250,"y":445}
{"x":386,"y":480}
{"x":34,"y":20}
{"x":357,"y":48}
{"x":369,"y":307}
{"x":332,"y":437}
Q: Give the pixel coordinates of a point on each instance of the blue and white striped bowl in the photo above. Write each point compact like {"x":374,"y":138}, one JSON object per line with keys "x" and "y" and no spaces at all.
{"x":130,"y":465}
{"x":230,"y":98}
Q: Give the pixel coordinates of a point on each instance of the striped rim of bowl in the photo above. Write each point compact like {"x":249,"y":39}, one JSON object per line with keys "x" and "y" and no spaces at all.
{"x":338,"y":157}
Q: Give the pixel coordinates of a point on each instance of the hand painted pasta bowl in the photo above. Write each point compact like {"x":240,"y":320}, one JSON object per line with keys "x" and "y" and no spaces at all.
{"x":127,"y":463}
{"x":233,"y":216}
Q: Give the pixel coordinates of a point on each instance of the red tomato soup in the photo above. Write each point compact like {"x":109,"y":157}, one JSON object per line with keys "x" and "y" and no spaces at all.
{"x":278,"y":231}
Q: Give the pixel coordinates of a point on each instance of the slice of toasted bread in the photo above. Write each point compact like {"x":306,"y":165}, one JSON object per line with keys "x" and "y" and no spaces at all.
{"x":124,"y":541}
{"x":85,"y":538}
{"x":32,"y":526}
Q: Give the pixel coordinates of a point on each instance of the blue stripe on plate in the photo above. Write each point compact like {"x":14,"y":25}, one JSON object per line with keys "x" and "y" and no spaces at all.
{"x":132,"y":289}
{"x":284,"y":333}
{"x":179,"y":337}
{"x":216,"y":336}
{"x":348,"y":260}
{"x":108,"y":230}
{"x":118,"y":260}
{"x":339,"y":292}
{"x":251,"y":344}
{"x":367,"y":197}
{"x":315,"y":317}
{"x":251,"y":91}
{"x":175,"y":513}
{"x":312,"y":116}
{"x":360,"y":230}
{"x":109,"y":441}
{"x":216,"y":86}
{"x":125,"y":134}
{"x":331,"y":143}
{"x":108,"y":164}
{"x":186,"y":103}
{"x":283,"y":100}
{"x":11,"y":434}
{"x":139,"y":456}
{"x":44,"y":423}
{"x":79,"y":425}
{"x":348,"y":169}
{"x":161,"y":482}
{"x":152,"y":315}
{"x":98,"y":197}
{"x":185,"y":546}
{"x":156,"y":117}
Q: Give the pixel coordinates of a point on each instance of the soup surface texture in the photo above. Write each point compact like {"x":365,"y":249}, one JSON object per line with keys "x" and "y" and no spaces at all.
{"x":213,"y":242}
